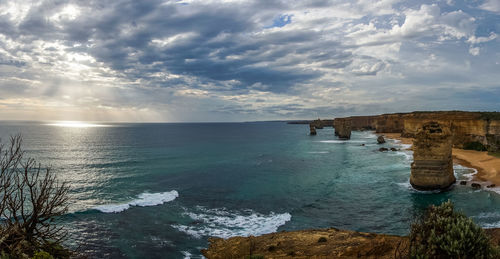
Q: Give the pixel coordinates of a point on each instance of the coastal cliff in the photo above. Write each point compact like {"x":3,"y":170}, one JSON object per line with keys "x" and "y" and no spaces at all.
{"x":479,"y":129}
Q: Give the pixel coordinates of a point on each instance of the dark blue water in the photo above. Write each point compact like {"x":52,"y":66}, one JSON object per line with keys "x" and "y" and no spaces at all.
{"x":160,"y":190}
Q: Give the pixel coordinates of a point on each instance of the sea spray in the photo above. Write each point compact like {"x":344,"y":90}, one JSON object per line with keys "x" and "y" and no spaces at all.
{"x":143,"y":200}
{"x":224,"y":223}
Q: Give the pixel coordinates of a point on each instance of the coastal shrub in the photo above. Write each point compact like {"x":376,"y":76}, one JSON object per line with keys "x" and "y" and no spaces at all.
{"x":31,"y":199}
{"x":42,"y":255}
{"x":474,"y":146}
{"x":490,"y":115}
{"x":442,"y":232}
{"x":495,"y":154}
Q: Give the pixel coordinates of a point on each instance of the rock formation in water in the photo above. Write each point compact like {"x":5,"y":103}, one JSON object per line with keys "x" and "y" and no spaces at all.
{"x":312,"y":130}
{"x":342,"y":128}
{"x":380,"y":140}
{"x":432,"y":166}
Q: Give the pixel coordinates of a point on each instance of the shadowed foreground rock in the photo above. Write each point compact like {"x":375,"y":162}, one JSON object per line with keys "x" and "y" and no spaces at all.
{"x":317,"y":243}
{"x":433,"y":164}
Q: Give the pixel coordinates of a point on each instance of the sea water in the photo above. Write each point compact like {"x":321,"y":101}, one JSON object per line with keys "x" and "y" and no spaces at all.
{"x":161,"y":190}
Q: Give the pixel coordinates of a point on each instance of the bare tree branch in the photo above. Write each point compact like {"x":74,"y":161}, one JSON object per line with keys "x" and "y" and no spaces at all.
{"x":31,"y":197}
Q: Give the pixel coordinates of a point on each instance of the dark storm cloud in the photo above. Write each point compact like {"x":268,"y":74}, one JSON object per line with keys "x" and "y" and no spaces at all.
{"x":120,"y":34}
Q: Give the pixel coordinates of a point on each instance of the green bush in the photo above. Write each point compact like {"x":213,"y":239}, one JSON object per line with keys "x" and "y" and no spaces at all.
{"x":442,"y":232}
{"x":42,"y":255}
{"x":474,"y":146}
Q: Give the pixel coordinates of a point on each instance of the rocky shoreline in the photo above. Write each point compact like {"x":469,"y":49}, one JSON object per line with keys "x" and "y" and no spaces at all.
{"x":315,"y":243}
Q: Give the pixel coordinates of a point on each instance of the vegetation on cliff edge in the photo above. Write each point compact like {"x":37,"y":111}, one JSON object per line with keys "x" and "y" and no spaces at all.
{"x":441,"y":232}
{"x":31,"y":199}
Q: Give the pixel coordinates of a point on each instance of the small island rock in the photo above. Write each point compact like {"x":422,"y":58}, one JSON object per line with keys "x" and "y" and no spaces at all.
{"x":475,"y":185}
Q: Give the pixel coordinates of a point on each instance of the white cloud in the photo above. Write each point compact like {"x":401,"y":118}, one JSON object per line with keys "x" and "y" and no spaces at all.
{"x":491,"y":5}
{"x":474,"y":51}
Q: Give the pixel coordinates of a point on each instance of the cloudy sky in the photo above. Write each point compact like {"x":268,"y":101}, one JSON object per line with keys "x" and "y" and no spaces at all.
{"x":232,"y":60}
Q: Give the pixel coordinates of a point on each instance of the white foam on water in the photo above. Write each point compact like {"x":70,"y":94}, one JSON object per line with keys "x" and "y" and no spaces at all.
{"x":143,"y":200}
{"x":407,"y":185}
{"x":408,"y":155}
{"x":494,"y":189}
{"x":223,"y":223}
{"x":468,"y":176}
{"x":368,"y":135}
{"x":491,"y":225}
{"x":484,"y":215}
{"x":405,"y":146}
{"x":318,"y":152}
{"x":337,"y":141}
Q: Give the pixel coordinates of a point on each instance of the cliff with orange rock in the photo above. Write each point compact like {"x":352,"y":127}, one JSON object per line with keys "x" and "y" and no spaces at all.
{"x":477,"y":129}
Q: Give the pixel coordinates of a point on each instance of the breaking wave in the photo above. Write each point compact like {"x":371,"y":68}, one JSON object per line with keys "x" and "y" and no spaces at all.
{"x":223,"y":223}
{"x":336,"y":141}
{"x":143,"y":200}
{"x":407,"y":185}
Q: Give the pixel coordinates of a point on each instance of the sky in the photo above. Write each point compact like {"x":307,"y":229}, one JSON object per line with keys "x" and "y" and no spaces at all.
{"x":232,"y":60}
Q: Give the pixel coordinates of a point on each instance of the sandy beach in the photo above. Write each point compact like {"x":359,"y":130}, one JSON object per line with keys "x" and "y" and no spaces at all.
{"x":488,"y":166}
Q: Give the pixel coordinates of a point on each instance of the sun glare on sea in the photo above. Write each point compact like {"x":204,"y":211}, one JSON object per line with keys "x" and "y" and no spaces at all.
{"x":75,"y":124}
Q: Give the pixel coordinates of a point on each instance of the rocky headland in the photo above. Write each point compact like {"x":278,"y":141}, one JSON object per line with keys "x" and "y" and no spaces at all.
{"x":469,"y":129}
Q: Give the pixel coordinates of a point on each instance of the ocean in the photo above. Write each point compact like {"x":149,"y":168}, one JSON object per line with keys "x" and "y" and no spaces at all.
{"x":161,"y":190}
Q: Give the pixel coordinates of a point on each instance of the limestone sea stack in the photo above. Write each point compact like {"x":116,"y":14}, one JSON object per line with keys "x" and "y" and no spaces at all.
{"x":312,"y":129}
{"x":342,"y":128}
{"x":433,"y":165}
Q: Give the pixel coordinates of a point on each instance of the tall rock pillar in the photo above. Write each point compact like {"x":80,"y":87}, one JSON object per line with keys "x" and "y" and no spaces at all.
{"x":432,"y":166}
{"x":312,"y":129}
{"x":342,"y":127}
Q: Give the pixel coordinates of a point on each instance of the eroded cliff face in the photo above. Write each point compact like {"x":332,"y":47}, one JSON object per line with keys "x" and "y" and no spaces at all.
{"x":466,"y":127}
{"x":432,"y":166}
{"x":389,"y":123}
{"x":363,"y":122}
{"x":343,"y":128}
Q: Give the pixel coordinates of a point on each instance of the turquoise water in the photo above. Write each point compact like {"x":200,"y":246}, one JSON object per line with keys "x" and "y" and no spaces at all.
{"x":160,"y":190}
